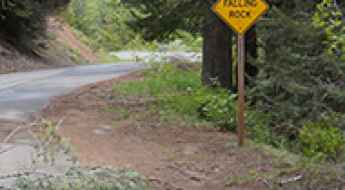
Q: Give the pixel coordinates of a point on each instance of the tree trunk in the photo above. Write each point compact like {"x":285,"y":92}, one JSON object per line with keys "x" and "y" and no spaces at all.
{"x":251,"y":56}
{"x":217,"y":53}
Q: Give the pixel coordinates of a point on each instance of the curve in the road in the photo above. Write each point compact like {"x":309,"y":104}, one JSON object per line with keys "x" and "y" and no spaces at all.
{"x":22,"y":94}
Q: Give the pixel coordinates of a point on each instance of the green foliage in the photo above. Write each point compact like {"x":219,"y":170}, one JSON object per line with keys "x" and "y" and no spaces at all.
{"x":104,"y":22}
{"x":220,"y":109}
{"x":159,"y":19}
{"x":104,"y":57}
{"x":86,"y":179}
{"x":298,"y":80}
{"x":174,"y":87}
{"x":259,"y":129}
{"x":164,"y":80}
{"x":322,"y":138}
{"x":301,"y":69}
{"x":185,"y":41}
{"x":177,"y":88}
{"x":54,"y":145}
{"x":330,"y":18}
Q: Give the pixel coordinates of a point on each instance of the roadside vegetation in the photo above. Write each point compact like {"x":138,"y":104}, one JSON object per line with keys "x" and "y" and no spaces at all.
{"x":104,"y":25}
{"x":175,"y":91}
{"x":173,"y":95}
{"x":85,"y":179}
{"x":295,"y":102}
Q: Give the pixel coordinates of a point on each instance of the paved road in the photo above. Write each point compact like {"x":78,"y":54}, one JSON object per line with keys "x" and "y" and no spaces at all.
{"x":161,"y":57}
{"x":22,"y":94}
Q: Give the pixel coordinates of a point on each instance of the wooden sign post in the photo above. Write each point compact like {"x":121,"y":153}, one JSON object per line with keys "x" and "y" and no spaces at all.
{"x":241,"y":88}
{"x":240,"y":15}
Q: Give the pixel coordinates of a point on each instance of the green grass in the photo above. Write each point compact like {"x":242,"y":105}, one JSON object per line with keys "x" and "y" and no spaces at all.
{"x":174,"y":90}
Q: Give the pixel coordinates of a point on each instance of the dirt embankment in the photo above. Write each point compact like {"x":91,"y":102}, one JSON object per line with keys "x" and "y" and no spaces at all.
{"x":65,"y":35}
{"x":62,"y":48}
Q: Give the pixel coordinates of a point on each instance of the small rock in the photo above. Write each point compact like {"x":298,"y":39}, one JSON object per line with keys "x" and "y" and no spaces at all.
{"x":104,"y":130}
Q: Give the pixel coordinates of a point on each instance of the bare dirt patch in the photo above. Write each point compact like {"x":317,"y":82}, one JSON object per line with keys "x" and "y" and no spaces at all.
{"x":171,"y":157}
{"x":65,"y":35}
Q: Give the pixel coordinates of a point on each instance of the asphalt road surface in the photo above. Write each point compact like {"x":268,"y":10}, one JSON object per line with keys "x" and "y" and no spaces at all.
{"x":22,"y":94}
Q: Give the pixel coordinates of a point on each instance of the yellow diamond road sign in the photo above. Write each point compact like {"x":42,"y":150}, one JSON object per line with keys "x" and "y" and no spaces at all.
{"x":240,"y":14}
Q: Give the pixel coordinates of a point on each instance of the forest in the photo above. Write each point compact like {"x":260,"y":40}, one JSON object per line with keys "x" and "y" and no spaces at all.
{"x":294,"y":77}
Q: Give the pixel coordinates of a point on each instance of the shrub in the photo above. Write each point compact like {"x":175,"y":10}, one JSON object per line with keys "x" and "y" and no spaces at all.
{"x":219,"y":108}
{"x":321,"y":138}
{"x":329,"y":17}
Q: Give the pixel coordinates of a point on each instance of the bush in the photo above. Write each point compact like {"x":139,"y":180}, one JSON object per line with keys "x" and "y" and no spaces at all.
{"x":329,"y":17}
{"x":220,"y":109}
{"x":321,"y":139}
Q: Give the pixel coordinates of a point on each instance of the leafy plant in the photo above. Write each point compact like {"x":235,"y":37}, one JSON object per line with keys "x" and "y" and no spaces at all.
{"x":176,"y":89}
{"x":219,"y":109}
{"x":329,"y":17}
{"x":321,"y":138}
{"x":51,"y":143}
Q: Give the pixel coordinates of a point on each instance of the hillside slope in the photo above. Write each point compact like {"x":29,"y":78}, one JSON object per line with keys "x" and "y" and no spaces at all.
{"x":61,"y":49}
